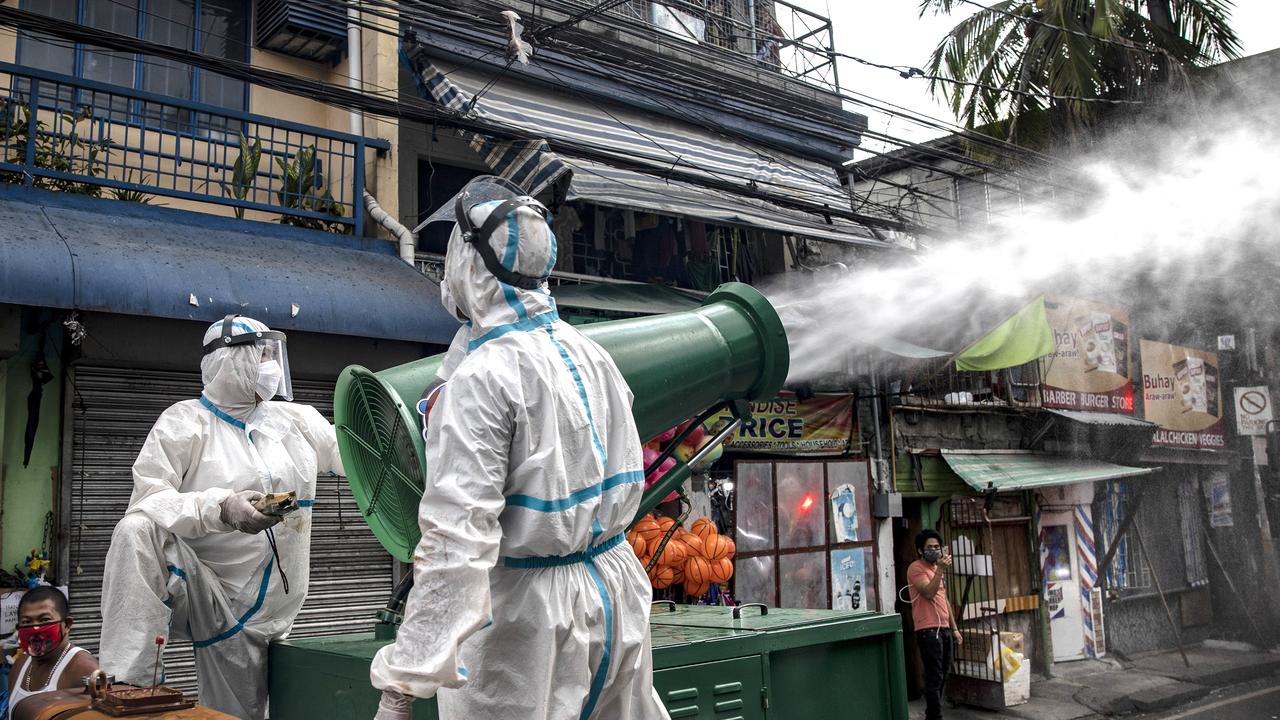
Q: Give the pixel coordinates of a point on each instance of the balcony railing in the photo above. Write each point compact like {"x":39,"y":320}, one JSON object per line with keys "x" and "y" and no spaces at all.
{"x":938,"y":384}
{"x":772,"y":33}
{"x":73,"y":135}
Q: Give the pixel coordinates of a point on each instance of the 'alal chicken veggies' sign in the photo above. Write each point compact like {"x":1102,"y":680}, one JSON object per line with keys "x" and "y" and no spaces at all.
{"x":786,"y":425}
{"x":1182,"y":395}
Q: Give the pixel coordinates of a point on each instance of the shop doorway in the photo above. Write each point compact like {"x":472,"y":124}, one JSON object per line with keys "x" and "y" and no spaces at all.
{"x":1060,"y":570}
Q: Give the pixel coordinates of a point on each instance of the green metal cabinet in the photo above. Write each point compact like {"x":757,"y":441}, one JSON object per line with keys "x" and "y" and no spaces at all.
{"x":814,"y":664}
{"x":328,"y":677}
{"x":707,"y":665}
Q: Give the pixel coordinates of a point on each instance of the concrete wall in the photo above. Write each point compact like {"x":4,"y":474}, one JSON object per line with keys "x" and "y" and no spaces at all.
{"x":1252,"y":603}
{"x":27,"y":493}
{"x":970,"y":430}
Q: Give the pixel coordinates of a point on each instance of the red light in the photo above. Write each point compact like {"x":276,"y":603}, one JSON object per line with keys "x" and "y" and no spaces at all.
{"x":806,"y":503}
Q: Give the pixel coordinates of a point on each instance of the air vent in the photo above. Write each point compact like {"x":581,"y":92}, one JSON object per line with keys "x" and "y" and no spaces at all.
{"x":300,"y":30}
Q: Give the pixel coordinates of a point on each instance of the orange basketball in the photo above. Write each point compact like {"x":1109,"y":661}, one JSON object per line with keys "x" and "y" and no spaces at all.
{"x":695,"y":589}
{"x":697,"y":571}
{"x":704,"y":529}
{"x":678,"y":575}
{"x":733,"y":547}
{"x":674,"y":554}
{"x":646,"y":528}
{"x":662,"y":576}
{"x":721,"y":570}
{"x":694,"y":545}
{"x":638,"y":545}
{"x":718,"y":547}
{"x":665,"y":523}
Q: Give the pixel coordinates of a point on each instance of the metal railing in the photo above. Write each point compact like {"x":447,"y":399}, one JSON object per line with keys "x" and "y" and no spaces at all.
{"x":772,"y":33}
{"x":940,"y":384}
{"x":74,"y":135}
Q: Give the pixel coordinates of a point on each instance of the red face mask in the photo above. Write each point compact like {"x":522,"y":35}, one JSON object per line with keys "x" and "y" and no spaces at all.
{"x":37,"y":640}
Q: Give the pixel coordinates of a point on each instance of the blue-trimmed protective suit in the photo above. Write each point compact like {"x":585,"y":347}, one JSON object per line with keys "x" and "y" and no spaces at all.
{"x":526,"y":605}
{"x":177,"y":568}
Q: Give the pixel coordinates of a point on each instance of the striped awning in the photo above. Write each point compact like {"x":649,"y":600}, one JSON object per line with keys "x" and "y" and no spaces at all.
{"x":619,"y":187}
{"x":566,"y":119}
{"x":1020,"y":470}
{"x":528,"y":163}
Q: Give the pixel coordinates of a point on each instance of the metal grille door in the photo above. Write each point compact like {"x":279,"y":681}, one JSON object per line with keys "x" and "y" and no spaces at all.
{"x":112,"y":410}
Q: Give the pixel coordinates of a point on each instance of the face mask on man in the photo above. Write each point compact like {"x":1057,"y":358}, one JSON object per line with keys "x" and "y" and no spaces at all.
{"x":932,"y":555}
{"x":38,"y":640}
{"x":269,"y":375}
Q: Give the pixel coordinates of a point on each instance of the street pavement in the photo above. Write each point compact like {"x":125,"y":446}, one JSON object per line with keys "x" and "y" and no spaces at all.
{"x":1257,"y":700}
{"x":1221,"y":682}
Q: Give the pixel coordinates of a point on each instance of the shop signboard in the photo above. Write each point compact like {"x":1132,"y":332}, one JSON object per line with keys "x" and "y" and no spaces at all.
{"x":1091,"y":363}
{"x":786,"y":425}
{"x":1182,"y":394}
{"x":1219,"y":492}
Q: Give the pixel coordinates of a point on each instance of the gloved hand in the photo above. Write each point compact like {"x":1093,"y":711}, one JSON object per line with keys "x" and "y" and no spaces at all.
{"x":238,"y":512}
{"x":394,"y":706}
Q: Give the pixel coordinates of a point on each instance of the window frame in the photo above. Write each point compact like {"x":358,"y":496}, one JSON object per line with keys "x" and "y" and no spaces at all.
{"x":830,"y":545}
{"x":136,"y":110}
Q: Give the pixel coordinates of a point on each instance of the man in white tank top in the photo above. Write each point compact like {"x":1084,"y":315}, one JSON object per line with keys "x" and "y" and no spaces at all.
{"x":48,"y":661}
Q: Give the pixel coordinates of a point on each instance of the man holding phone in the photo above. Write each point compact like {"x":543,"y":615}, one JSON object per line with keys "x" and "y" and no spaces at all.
{"x":936,"y":632}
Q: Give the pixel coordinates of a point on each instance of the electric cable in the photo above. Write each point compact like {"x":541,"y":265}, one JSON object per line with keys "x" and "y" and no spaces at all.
{"x":329,"y":94}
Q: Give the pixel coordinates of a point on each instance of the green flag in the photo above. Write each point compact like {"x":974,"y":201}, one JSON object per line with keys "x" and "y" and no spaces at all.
{"x":1022,"y":338}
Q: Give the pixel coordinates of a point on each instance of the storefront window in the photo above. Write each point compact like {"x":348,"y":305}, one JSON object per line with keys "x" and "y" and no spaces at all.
{"x":821,"y":555}
{"x":755,"y":506}
{"x":804,"y":580}
{"x":755,"y":579}
{"x":800,"y":500}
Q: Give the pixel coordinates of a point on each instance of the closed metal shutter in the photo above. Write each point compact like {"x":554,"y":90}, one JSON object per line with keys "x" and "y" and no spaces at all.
{"x":113,"y":409}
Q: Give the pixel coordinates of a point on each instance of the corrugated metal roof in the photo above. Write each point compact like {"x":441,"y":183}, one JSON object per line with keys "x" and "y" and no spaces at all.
{"x":67,"y":251}
{"x":1020,"y":470}
{"x":1101,"y":418}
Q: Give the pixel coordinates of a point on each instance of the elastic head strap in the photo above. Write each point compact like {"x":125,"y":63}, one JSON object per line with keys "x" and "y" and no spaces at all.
{"x":479,"y":239}
{"x":229,"y":340}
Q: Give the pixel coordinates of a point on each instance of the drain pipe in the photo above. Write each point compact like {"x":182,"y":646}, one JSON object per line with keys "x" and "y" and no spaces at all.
{"x":404,"y":236}
{"x":355,"y":63}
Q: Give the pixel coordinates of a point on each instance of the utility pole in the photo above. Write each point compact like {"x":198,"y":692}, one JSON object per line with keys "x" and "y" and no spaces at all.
{"x":1270,"y":563}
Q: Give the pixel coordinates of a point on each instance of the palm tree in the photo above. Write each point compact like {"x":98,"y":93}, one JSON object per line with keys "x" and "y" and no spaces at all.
{"x":1020,"y":57}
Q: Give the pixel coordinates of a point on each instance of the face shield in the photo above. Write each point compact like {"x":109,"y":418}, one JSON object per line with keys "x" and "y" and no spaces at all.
{"x":274,"y":378}
{"x":509,"y":198}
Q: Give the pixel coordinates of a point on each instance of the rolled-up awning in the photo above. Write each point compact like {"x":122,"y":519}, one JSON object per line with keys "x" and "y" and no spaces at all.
{"x":628,"y":298}
{"x":1021,"y":470}
{"x":608,"y":185}
{"x":68,"y":251}
{"x":1101,"y":418}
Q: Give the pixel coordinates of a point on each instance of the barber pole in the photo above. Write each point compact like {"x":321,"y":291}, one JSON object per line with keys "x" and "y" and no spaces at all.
{"x":1086,"y":554}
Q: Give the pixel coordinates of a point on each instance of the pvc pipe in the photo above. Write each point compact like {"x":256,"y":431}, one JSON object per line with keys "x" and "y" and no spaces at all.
{"x":404,"y":236}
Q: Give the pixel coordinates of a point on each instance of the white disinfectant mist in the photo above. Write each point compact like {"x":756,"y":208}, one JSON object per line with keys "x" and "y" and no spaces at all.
{"x":1183,"y":204}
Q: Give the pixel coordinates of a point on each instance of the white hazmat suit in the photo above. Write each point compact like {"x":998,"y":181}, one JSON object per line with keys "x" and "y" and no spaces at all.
{"x":527,"y":603}
{"x":188,"y":558}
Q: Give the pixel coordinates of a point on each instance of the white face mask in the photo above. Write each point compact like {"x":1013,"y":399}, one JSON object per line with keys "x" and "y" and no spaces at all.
{"x":269,"y":376}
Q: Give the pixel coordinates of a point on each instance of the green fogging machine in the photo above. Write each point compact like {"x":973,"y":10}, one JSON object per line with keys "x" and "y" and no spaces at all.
{"x":731,"y":350}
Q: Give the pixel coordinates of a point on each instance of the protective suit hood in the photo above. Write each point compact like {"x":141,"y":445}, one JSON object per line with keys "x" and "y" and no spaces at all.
{"x":523,"y":243}
{"x":230,"y":373}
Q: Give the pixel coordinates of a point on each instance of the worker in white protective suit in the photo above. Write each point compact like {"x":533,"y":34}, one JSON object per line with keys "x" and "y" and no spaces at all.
{"x":527,"y":603}
{"x":192,"y":556}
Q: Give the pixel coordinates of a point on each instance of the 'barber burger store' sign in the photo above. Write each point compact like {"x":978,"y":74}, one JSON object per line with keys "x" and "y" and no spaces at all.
{"x":1181,"y":393}
{"x":1089,"y":368}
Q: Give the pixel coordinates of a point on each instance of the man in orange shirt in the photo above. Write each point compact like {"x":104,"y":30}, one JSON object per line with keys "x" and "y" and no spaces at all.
{"x":931,"y":614}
